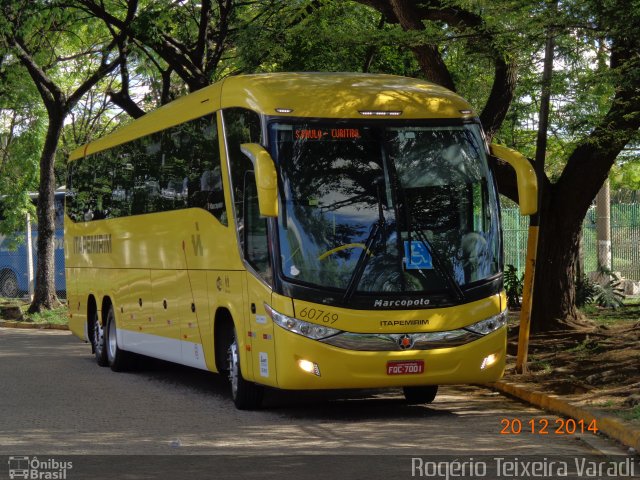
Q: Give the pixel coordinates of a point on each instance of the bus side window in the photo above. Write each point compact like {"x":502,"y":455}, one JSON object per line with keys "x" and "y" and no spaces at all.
{"x":240,"y":126}
{"x":255,"y":230}
{"x":194,"y":166}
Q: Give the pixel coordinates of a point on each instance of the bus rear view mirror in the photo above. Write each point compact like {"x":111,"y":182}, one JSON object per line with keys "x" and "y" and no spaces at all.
{"x":266,"y":178}
{"x":526,"y":175}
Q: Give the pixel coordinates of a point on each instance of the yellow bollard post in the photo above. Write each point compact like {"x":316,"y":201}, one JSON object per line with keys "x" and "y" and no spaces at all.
{"x":527,"y":300}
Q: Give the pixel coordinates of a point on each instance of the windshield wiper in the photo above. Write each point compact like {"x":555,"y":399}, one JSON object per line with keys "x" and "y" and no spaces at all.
{"x":361,"y":264}
{"x":436,"y":256}
{"x":438,"y":262}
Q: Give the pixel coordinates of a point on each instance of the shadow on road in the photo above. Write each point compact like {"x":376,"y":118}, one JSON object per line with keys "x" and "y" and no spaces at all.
{"x":345,"y":405}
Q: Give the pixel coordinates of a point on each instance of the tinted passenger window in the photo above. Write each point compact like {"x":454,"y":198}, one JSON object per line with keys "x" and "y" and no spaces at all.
{"x":169,"y":170}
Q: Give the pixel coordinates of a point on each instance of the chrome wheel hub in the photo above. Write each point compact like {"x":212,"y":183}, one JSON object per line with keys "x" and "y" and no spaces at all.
{"x":234,"y":369}
{"x":98,"y":335}
{"x":113,"y":342}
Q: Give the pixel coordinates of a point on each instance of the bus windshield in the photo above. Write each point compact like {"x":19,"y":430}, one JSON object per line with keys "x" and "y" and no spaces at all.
{"x":392,"y":208}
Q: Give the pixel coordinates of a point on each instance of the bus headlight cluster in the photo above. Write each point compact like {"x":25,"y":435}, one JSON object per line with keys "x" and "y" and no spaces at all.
{"x":306,"y":329}
{"x":489,"y":325}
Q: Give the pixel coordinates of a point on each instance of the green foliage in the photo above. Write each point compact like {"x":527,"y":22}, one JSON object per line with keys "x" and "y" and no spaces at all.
{"x":337,"y":36}
{"x":586,"y":291}
{"x":22,"y":131}
{"x":626,"y":175}
{"x":606,"y":295}
{"x":582,"y":88}
{"x":57,"y":316}
{"x":609,"y":294}
{"x":634,"y":414}
{"x":513,"y":285}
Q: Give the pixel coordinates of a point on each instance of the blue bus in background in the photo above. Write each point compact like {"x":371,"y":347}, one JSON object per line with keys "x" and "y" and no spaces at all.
{"x":14,"y":266}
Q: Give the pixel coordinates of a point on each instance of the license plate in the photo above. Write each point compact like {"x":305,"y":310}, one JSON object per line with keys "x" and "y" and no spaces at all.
{"x":405,"y":367}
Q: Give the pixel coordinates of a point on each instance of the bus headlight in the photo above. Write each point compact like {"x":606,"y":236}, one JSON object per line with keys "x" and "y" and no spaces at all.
{"x":306,"y":329}
{"x":488,"y":325}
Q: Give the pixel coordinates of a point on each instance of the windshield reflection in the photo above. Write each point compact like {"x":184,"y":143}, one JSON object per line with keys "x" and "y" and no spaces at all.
{"x":385,"y":209}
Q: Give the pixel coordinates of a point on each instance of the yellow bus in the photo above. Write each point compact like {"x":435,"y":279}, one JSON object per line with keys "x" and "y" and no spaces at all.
{"x":296,"y":231}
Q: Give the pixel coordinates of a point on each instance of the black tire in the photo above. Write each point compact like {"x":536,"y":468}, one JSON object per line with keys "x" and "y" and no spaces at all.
{"x":246,"y":395}
{"x":8,"y":284}
{"x":418,"y":395}
{"x":98,"y":341}
{"x":119,"y":360}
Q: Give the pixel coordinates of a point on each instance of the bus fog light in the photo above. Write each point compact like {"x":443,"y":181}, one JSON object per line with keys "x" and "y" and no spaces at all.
{"x":309,"y":367}
{"x":488,"y":361}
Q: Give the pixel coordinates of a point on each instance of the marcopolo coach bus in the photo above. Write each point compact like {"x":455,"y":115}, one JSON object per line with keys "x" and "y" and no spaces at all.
{"x":296,"y":231}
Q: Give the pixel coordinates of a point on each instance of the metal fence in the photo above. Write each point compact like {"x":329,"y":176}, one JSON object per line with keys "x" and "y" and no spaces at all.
{"x":625,"y":239}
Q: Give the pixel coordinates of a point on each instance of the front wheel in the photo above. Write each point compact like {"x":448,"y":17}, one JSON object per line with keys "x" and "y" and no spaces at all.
{"x":246,"y":395}
{"x":118,"y":359}
{"x":418,"y":395}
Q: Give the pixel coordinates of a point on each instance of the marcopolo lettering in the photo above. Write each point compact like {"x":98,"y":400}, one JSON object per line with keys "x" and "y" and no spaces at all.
{"x":378,"y":303}
{"x":91,"y":244}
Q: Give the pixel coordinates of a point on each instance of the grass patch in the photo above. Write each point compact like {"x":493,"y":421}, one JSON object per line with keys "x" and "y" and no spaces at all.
{"x":540,"y":366}
{"x":586,"y":347}
{"x":629,"y":312}
{"x":58,"y":316}
{"x":633,"y":414}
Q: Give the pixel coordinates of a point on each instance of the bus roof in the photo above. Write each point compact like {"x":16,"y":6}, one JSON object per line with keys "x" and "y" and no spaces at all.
{"x":319,"y":95}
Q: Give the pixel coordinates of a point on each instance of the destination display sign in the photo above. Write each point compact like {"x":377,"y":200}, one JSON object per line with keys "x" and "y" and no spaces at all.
{"x":326,"y":133}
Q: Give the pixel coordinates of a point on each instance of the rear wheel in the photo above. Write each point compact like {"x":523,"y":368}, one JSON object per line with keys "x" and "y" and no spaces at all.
{"x":417,"y":395}
{"x":246,"y":395}
{"x":118,"y":359}
{"x":98,"y":341}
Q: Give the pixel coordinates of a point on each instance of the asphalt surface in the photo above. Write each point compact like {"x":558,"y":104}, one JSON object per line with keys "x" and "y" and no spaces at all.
{"x":54,"y":400}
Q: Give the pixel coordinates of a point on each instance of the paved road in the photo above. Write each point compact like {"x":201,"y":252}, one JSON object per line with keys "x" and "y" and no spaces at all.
{"x":55,"y":400}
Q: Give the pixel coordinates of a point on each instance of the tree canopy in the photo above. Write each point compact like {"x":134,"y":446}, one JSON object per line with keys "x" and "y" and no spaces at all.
{"x":91,"y":61}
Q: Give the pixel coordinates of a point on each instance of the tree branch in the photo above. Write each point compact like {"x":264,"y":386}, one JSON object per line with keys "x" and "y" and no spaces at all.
{"x":51,"y":94}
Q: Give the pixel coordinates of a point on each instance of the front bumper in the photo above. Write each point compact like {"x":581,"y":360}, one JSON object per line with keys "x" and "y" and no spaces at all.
{"x":342,"y":368}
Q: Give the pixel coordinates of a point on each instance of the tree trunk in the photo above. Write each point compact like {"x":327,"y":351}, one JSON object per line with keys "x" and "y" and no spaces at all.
{"x":556,"y":265}
{"x":45,"y":292}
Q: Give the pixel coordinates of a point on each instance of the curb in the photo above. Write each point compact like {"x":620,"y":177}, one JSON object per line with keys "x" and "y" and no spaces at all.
{"x":610,"y":426}
{"x":33,"y":326}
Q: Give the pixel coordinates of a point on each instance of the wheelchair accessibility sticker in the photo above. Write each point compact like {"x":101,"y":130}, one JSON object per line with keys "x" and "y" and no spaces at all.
{"x":416,"y":255}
